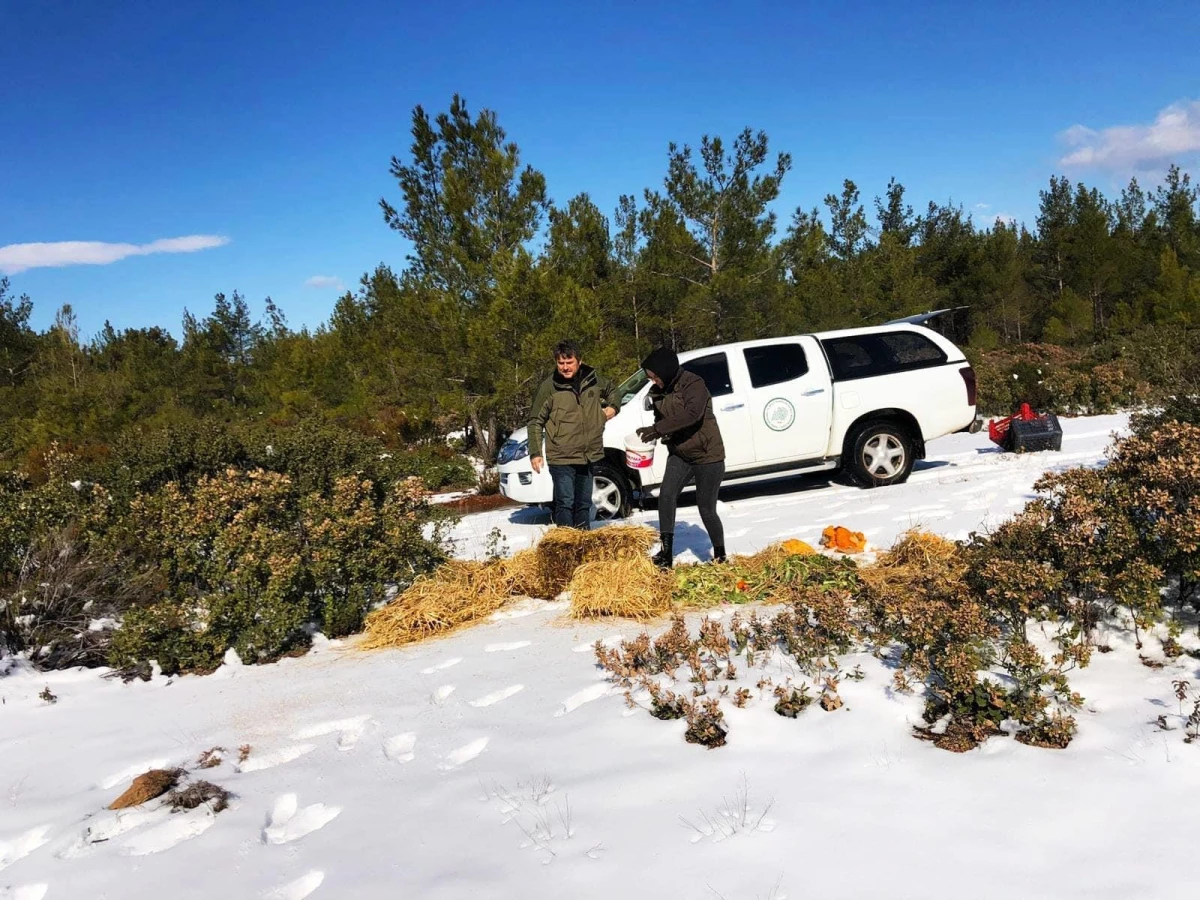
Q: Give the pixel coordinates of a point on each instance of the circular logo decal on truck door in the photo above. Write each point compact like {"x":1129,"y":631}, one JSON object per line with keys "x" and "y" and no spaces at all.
{"x":779,"y":414}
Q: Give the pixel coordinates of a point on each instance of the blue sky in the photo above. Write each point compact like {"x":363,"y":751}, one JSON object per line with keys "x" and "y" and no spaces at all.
{"x":263,"y":131}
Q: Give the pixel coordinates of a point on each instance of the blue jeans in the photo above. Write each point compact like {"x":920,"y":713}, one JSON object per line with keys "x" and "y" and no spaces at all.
{"x":572,"y":495}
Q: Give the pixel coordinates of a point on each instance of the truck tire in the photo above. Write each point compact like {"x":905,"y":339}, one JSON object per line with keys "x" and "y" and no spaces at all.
{"x":611,"y":493}
{"x":879,"y":453}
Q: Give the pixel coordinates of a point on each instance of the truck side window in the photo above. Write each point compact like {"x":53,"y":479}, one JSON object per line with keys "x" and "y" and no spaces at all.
{"x":775,"y":364}
{"x":869,"y":355}
{"x":910,"y":350}
{"x":849,"y":358}
{"x":714,"y":369}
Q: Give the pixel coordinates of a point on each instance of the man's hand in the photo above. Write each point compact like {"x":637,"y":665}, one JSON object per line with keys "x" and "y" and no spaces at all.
{"x":647,"y":433}
{"x":609,"y":412}
{"x":536,"y":462}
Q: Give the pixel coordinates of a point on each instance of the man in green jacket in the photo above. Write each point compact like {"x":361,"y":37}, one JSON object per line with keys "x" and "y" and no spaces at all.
{"x":566,"y":430}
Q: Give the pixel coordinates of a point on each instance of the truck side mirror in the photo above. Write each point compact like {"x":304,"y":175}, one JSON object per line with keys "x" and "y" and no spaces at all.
{"x":649,"y":404}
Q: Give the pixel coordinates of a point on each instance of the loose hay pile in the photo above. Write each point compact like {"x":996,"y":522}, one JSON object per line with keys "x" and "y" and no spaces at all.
{"x":919,"y":561}
{"x":632,"y":588}
{"x":460,"y":593}
{"x":457,"y":594}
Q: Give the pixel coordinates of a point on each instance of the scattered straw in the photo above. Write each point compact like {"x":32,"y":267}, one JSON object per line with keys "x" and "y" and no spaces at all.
{"x":525,"y":571}
{"x":631,"y":587}
{"x":457,"y":594}
{"x":918,"y":562}
{"x":460,"y":593}
{"x":920,"y":548}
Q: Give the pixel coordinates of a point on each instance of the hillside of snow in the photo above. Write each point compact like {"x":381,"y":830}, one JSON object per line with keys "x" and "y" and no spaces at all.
{"x":499,"y":762}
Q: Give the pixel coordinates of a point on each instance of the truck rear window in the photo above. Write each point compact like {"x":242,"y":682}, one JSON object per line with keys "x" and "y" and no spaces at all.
{"x":870,"y":355}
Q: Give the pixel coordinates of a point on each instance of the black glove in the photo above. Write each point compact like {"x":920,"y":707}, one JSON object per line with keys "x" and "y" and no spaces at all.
{"x":647,"y":433}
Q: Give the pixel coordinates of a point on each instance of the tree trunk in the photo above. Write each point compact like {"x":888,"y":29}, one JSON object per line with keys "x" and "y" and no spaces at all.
{"x":485,"y":440}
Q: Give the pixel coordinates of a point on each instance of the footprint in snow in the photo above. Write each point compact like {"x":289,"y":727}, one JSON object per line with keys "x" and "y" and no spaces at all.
{"x":289,"y":823}
{"x":443,"y":693}
{"x":464,"y":754}
{"x":349,"y":731}
{"x":497,"y":696}
{"x":399,"y":747}
{"x":299,"y":889}
{"x":259,"y":761}
{"x":444,"y":664}
{"x":500,"y":648}
{"x":179,"y":828}
{"x":587,"y":695}
{"x":105,"y":828}
{"x":25,"y":892}
{"x":22,"y":845}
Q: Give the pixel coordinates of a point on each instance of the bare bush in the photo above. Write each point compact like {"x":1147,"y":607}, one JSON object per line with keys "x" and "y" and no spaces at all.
{"x":64,"y":603}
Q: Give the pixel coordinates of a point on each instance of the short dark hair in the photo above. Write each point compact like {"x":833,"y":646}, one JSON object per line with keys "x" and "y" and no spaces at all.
{"x":564,"y":349}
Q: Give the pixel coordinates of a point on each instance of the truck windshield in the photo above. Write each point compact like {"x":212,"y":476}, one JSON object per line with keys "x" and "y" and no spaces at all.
{"x":631,"y":385}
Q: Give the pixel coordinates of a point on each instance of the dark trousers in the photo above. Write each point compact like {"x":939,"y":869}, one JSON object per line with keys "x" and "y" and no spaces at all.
{"x":572,"y":495}
{"x":708,"y":482}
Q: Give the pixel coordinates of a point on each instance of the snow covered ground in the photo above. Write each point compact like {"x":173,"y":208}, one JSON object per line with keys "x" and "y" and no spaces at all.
{"x":966,"y":484}
{"x":499,"y":763}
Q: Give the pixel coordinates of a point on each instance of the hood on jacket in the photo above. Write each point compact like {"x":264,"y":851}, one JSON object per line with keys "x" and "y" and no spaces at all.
{"x":662,"y":362}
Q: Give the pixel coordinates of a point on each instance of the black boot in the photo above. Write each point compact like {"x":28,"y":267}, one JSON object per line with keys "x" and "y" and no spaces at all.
{"x":664,"y":557}
{"x":719,"y":553}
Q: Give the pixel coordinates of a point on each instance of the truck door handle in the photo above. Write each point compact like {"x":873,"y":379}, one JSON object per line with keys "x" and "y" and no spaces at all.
{"x":813,"y":392}
{"x":733,"y":407}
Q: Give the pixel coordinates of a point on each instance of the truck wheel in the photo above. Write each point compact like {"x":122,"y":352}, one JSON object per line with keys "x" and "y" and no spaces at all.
{"x":881,"y":453}
{"x":610,"y":491}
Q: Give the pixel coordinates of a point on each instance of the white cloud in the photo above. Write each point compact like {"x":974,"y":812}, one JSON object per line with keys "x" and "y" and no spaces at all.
{"x":980,"y":214}
{"x":325,"y":281}
{"x":16,"y":258}
{"x":1174,"y":133}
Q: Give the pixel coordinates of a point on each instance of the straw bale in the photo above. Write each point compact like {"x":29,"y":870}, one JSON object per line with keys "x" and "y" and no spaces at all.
{"x":630,"y":587}
{"x":562,"y":550}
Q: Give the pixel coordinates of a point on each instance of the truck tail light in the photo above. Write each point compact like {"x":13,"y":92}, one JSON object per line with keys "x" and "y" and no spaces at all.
{"x":968,"y":377}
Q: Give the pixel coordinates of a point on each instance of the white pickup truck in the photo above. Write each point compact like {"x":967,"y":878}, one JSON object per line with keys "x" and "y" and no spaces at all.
{"x":863,"y":401}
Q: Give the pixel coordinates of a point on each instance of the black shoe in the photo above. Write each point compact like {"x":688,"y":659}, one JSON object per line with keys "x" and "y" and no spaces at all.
{"x":664,"y":558}
{"x":718,"y":553}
